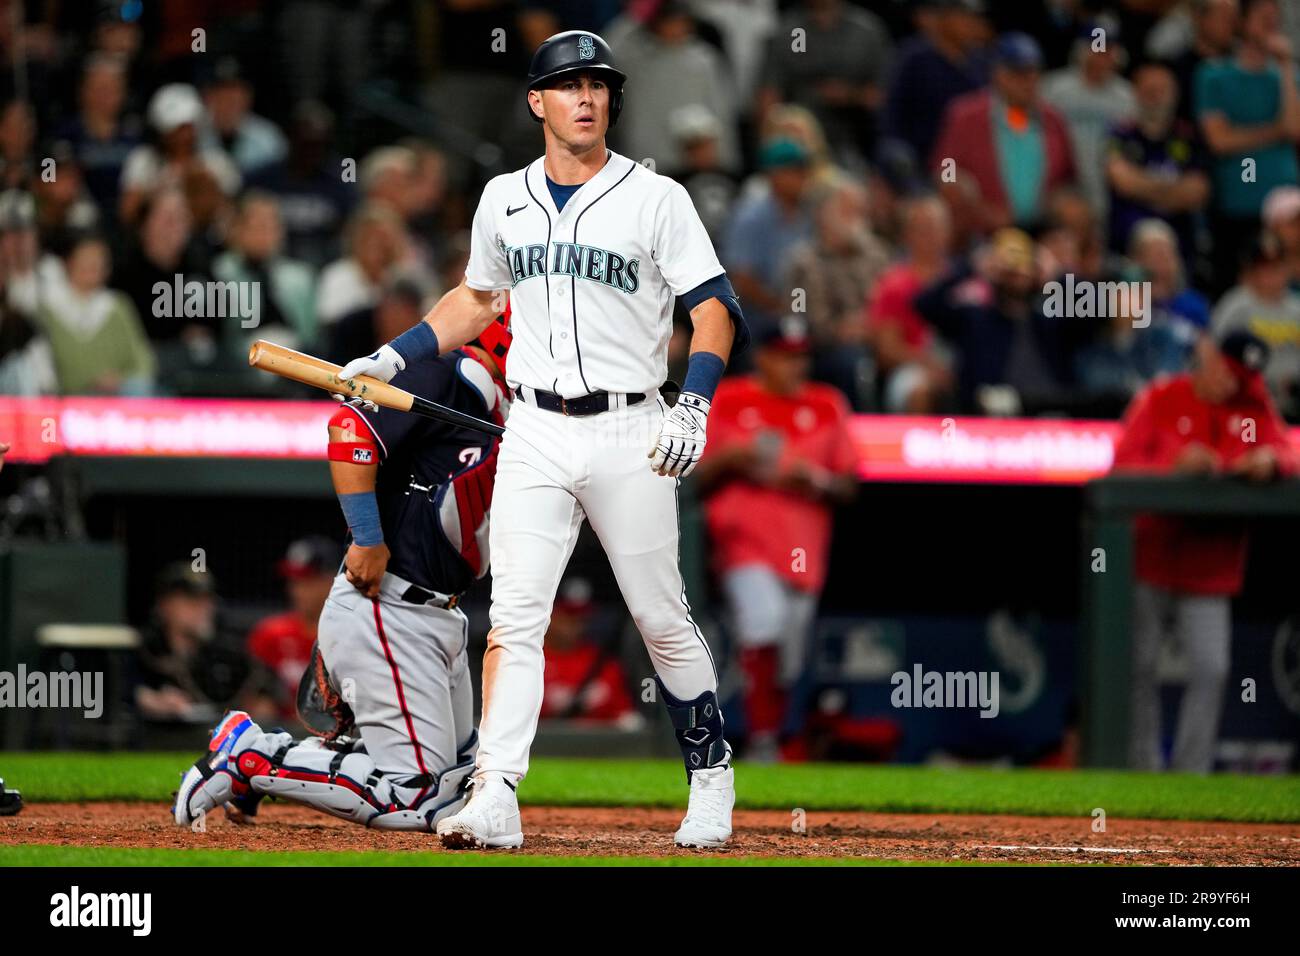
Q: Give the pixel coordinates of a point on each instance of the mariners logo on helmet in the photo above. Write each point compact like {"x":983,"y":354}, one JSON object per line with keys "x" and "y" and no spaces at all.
{"x":571,"y":52}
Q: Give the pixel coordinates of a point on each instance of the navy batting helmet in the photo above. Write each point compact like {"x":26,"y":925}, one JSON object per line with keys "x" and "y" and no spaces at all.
{"x":571,"y":52}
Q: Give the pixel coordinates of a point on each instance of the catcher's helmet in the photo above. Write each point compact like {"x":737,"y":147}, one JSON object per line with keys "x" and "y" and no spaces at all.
{"x":496,"y":338}
{"x":571,"y":52}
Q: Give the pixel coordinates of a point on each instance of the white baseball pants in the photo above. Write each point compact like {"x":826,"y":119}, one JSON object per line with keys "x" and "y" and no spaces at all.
{"x":769,"y":611}
{"x":1203,"y":625}
{"x":554,"y":471}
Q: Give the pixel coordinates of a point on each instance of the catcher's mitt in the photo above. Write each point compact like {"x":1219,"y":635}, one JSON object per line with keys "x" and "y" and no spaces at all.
{"x":320,"y":707}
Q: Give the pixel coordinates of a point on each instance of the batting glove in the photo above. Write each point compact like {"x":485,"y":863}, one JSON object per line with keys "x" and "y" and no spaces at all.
{"x":365,"y":403}
{"x":681,"y":440}
{"x":382,"y":365}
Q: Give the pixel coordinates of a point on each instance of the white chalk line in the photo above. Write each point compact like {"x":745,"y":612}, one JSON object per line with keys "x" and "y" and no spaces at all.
{"x":1069,"y":849}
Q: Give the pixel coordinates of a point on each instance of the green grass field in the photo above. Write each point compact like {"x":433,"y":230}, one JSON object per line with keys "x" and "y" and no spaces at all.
{"x":65,"y":777}
{"x":660,"y":783}
{"x":121,"y":856}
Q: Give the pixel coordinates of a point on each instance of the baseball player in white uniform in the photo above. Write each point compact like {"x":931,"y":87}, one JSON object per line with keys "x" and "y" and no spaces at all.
{"x":593,"y":248}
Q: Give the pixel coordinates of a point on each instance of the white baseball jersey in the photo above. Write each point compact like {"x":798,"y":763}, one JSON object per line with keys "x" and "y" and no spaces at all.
{"x":592,"y":285}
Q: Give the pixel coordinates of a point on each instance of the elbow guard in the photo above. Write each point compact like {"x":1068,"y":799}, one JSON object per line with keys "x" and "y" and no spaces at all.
{"x":357,"y":444}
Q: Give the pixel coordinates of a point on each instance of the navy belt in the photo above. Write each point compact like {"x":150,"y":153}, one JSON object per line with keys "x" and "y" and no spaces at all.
{"x":592,"y":404}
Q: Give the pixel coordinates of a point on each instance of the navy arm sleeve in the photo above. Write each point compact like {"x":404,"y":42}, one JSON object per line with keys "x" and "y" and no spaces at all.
{"x":719,"y":287}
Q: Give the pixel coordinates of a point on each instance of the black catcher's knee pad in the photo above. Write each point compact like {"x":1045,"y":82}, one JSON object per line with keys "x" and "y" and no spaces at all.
{"x":698,"y":724}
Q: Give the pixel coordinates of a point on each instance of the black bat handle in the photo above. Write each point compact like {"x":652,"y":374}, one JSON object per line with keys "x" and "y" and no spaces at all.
{"x":422,"y":406}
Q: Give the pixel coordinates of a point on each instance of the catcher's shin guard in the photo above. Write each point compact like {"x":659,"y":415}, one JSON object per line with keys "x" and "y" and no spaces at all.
{"x":440,"y":796}
{"x":216,"y":778}
{"x":698,"y":724}
{"x":341,"y":779}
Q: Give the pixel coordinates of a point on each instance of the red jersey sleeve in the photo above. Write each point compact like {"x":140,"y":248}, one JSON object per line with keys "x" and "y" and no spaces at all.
{"x":1136,"y":446}
{"x":259,"y":639}
{"x":1272,"y":430}
{"x":843,"y":453}
{"x":619,"y":701}
{"x":723,"y":428}
{"x":885,"y":305}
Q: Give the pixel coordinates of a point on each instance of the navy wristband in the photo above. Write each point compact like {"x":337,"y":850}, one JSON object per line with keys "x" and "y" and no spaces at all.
{"x":703,"y":372}
{"x":416,"y":343}
{"x":361,"y":509}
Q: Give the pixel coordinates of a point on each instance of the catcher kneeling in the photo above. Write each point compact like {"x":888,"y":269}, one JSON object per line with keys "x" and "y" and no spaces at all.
{"x":388,"y":689}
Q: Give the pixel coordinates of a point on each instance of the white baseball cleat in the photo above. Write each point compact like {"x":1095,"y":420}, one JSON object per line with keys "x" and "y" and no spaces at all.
{"x":215,"y":779}
{"x":708,"y":813}
{"x":490,"y":819}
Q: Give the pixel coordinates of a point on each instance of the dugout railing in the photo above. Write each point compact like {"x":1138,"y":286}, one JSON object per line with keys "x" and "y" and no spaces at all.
{"x":1105,"y":651}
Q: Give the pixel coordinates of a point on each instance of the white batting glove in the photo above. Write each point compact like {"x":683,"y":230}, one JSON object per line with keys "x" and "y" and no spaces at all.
{"x":677,"y":450}
{"x":382,"y":365}
{"x":365,"y":403}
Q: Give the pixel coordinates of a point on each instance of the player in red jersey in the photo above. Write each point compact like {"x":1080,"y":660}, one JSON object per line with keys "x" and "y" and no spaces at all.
{"x":1216,"y":420}
{"x":779,"y":459}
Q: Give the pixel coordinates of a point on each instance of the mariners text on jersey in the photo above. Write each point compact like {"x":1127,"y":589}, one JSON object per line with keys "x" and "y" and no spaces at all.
{"x":572,"y":259}
{"x":592,"y":284}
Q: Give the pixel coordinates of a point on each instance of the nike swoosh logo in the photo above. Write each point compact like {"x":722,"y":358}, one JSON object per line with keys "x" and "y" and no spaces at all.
{"x":511,"y":212}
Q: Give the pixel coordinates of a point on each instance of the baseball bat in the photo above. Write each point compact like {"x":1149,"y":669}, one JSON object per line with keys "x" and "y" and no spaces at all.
{"x":317,"y":372}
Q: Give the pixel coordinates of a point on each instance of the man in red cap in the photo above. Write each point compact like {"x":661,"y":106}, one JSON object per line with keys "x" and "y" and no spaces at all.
{"x":779,"y":459}
{"x":1217,"y":419}
{"x":282,"y":643}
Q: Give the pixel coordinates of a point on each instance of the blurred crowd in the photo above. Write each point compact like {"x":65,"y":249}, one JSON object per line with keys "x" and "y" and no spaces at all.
{"x":907,"y":176}
{"x":196,"y":660}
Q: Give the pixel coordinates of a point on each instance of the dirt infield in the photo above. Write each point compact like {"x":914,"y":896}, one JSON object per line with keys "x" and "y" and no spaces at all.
{"x":609,"y":831}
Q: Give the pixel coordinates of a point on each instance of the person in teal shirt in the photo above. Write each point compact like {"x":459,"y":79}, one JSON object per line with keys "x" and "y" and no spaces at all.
{"x":1248,"y":108}
{"x":1022,"y":162}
